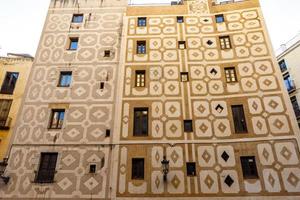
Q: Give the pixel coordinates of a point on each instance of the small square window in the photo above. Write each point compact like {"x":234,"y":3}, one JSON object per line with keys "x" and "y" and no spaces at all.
{"x":180,"y":19}
{"x":73,"y":43}
{"x":107,"y":53}
{"x":220,"y":18}
{"x":137,"y":171}
{"x":184,"y":76}
{"x":249,"y":167}
{"x":230,"y":74}
{"x":188,"y":126}
{"x":142,"y":21}
{"x":57,"y":119}
{"x":65,"y":79}
{"x":107,"y":133}
{"x":225,"y":42}
{"x":191,"y":169}
{"x":77,"y":18}
{"x":102,"y":84}
{"x":181,"y":45}
{"x":93,"y":168}
{"x":141,"y":47}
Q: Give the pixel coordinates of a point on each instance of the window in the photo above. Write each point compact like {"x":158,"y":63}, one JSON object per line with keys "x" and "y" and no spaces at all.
{"x":102,"y":84}
{"x":93,"y":168}
{"x":77,"y":18}
{"x":57,"y":118}
{"x":142,"y":21}
{"x":220,"y":18}
{"x":180,"y":19}
{"x":239,"y":119}
{"x":225,"y":42}
{"x":65,"y":79}
{"x":140,"y":78}
{"x":73,"y":43}
{"x":249,"y":167}
{"x":107,"y":133}
{"x":4,"y":112}
{"x":230,"y":75}
{"x":181,"y":45}
{"x":191,"y":169}
{"x":47,"y":168}
{"x":184,"y":76}
{"x":188,"y":126}
{"x":141,"y":47}
{"x":140,"y":122}
{"x":9,"y":83}
{"x":282,"y":65}
{"x":295,"y":106}
{"x":289,"y":83}
{"x":107,"y":53}
{"x":137,"y":168}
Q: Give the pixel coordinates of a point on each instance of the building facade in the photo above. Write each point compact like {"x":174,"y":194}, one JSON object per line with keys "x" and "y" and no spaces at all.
{"x":288,"y":60}
{"x":119,"y":91}
{"x":14,"y":72}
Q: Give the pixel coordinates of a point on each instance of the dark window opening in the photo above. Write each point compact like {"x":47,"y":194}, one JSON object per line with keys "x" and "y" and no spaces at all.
{"x":107,"y":53}
{"x":102,"y":84}
{"x":239,"y":119}
{"x":188,"y":126}
{"x":77,"y":18}
{"x":289,"y":83}
{"x":184,"y":76}
{"x":4,"y":112}
{"x":191,"y":169}
{"x":9,"y":83}
{"x":181,"y":45}
{"x":295,"y":106}
{"x":220,"y":18}
{"x":137,"y":169}
{"x":249,"y":167}
{"x":47,"y":167}
{"x":140,"y":122}
{"x":282,"y":65}
{"x":65,"y":79}
{"x":93,"y":168}
{"x":107,"y":133}
{"x":73,"y":43}
{"x":141,"y":47}
{"x":180,"y":19}
{"x":57,"y":119}
{"x":142,"y":21}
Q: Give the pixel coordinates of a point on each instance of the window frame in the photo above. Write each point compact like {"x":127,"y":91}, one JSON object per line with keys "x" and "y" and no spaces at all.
{"x":239,"y":121}
{"x":191,"y":165}
{"x":5,"y":107}
{"x":142,"y":21}
{"x":141,"y":47}
{"x":138,"y":130}
{"x":9,"y":83}
{"x":230,"y":75}
{"x":140,"y":78}
{"x":184,"y":74}
{"x":61,"y":76}
{"x":61,"y":113}
{"x":137,"y":172}
{"x":50,"y":169}
{"x":248,"y":171}
{"x":180,"y":43}
{"x":188,"y":126}
{"x":73,"y":40}
{"x":225,"y":42}
{"x":76,"y":16}
{"x":220,"y":16}
{"x":180,"y":19}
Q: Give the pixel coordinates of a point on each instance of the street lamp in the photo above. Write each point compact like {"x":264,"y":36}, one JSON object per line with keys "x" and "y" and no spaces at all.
{"x":165,"y":167}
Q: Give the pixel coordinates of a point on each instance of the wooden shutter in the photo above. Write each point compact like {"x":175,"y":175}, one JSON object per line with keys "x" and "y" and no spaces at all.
{"x":239,"y":119}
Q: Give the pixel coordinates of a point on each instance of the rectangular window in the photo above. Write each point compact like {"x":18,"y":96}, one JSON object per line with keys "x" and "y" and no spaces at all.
{"x":282,"y":65}
{"x":107,"y":53}
{"x":57,"y":118}
{"x":9,"y":83}
{"x":107,"y":133}
{"x":181,"y":45}
{"x":249,"y":167}
{"x":225,"y":42}
{"x":184,"y":76}
{"x":220,"y":18}
{"x":142,"y":21}
{"x":230,"y":74}
{"x":141,"y":47}
{"x":65,"y":79}
{"x":102,"y":84}
{"x":180,"y":19}
{"x":137,"y":168}
{"x":93,"y":168}
{"x":140,"y":122}
{"x":295,"y":106}
{"x":140,"y":78}
{"x":191,"y":168}
{"x":289,"y":83}
{"x":239,"y":119}
{"x":77,"y":18}
{"x":47,"y":168}
{"x":4,"y":112}
{"x":188,"y":126}
{"x":73,"y":43}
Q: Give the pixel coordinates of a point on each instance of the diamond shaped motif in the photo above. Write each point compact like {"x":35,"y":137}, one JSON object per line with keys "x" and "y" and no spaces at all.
{"x":254,"y":105}
{"x":273,"y":104}
{"x":171,"y":87}
{"x":209,"y":181}
{"x":68,"y":160}
{"x":76,"y":114}
{"x":263,"y":67}
{"x":259,"y":125}
{"x":278,"y":124}
{"x":225,"y":156}
{"x":271,"y":180}
{"x":203,"y":128}
{"x":265,"y":154}
{"x":175,"y":181}
{"x":157,"y":182}
{"x":73,"y":133}
{"x":249,"y":84}
{"x":91,"y":183}
{"x":173,"y":128}
{"x":293,"y":179}
{"x":229,"y":181}
{"x":64,"y":184}
{"x":174,"y":156}
{"x":206,"y":156}
{"x":222,"y":127}
{"x":286,"y":153}
{"x":267,"y":82}
{"x":209,"y":42}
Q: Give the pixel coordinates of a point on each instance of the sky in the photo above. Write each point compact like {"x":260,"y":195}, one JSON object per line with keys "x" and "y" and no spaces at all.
{"x":21,"y":22}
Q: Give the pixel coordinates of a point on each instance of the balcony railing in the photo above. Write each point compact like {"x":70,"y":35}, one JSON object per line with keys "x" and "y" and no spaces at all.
{"x":223,"y":2}
{"x":5,"y":123}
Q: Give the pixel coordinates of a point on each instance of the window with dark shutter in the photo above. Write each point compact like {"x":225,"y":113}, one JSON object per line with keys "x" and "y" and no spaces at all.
{"x":137,"y":168}
{"x":188,"y":126}
{"x":4,"y":112}
{"x":191,"y":168}
{"x":9,"y":83}
{"x":47,"y":168}
{"x":249,"y":167}
{"x":140,"y":122}
{"x":239,"y":119}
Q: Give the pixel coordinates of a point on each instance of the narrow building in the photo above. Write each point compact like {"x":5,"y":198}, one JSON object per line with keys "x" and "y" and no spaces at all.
{"x":14,"y":73}
{"x":289,"y":62}
{"x":177,"y":101}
